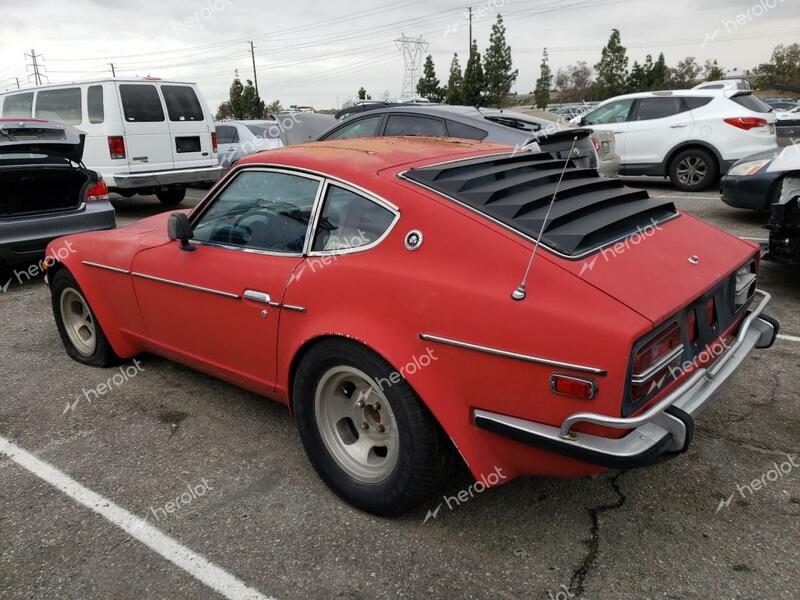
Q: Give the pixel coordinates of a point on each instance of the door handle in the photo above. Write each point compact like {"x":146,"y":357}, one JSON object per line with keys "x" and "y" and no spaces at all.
{"x":677,"y":125}
{"x":255,"y":296}
{"x":617,"y":132}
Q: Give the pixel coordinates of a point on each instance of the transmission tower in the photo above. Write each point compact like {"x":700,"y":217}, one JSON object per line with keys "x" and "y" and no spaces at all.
{"x":413,"y":50}
{"x":36,"y":66}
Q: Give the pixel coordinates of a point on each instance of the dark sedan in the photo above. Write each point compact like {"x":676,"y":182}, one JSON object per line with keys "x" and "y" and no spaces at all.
{"x":751,"y":183}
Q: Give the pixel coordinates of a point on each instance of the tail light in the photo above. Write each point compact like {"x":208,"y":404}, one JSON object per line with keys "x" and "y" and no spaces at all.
{"x":213,"y":141}
{"x":746,"y":123}
{"x":652,"y":361}
{"x":116,"y":146}
{"x":596,"y":144}
{"x":574,"y":387}
{"x":98,"y":192}
{"x":745,"y":284}
{"x":691,"y":325}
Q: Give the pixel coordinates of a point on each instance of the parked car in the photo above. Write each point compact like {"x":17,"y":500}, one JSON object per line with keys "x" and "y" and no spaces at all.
{"x":46,"y":190}
{"x":368,"y":105}
{"x":723,"y":84}
{"x":238,"y":139}
{"x":752,"y":183}
{"x":690,"y":136}
{"x":781,"y":104}
{"x":367,"y":285}
{"x":784,"y":221}
{"x":788,"y":124}
{"x":143,"y":135}
{"x":490,"y":125}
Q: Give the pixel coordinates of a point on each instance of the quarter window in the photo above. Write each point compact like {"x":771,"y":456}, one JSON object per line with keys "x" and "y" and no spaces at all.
{"x":60,"y":105}
{"x":227,"y":134}
{"x":408,"y":125}
{"x":459,"y":130}
{"x":141,"y":103}
{"x":349,"y":220}
{"x":94,"y":104}
{"x":18,"y":106}
{"x":613,"y":112}
{"x":261,"y":210}
{"x":367,"y":127}
{"x":658,"y":108}
{"x":182,"y":103}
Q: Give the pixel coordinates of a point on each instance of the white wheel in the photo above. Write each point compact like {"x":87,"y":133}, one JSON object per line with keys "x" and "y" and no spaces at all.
{"x":78,"y":322}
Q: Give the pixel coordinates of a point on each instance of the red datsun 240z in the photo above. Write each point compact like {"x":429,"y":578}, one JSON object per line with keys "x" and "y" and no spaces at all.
{"x":373,"y":286}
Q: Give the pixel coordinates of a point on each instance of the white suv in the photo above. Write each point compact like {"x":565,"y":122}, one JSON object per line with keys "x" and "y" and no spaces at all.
{"x":691,"y":136}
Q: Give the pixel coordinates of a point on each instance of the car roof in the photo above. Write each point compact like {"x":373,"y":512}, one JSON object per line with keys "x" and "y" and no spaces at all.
{"x":99,"y":80}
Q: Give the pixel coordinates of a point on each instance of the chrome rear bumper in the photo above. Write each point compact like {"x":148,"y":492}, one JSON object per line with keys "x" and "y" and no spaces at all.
{"x":665,"y":427}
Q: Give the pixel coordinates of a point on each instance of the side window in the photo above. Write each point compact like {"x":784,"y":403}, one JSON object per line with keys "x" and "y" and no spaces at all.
{"x":94,"y":104}
{"x":18,"y":106}
{"x":459,"y":130}
{"x":658,"y":108}
{"x":182,"y":103}
{"x":411,"y":125}
{"x":349,"y":221}
{"x":367,"y":127}
{"x":140,"y":103}
{"x":261,"y":210}
{"x":696,"y":101}
{"x":227,"y":134}
{"x":614,"y":112}
{"x":60,"y":105}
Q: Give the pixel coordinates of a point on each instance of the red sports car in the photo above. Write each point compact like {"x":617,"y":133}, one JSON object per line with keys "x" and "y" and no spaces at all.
{"x":411,"y":300}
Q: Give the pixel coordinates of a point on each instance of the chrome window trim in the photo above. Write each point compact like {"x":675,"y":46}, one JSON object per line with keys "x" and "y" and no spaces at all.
{"x":106,"y":267}
{"x":575,"y":257}
{"x":515,"y":355}
{"x":209,"y":200}
{"x":369,"y":197}
{"x":188,"y":286}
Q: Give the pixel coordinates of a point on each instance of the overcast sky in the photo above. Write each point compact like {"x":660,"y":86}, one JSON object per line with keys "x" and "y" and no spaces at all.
{"x":321,"y":52}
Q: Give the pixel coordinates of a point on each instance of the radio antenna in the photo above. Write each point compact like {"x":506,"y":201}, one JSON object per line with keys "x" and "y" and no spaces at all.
{"x":520,"y":293}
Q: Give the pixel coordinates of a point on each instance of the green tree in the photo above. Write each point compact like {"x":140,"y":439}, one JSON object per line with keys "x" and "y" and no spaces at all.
{"x":638,"y":78}
{"x":243,"y":102}
{"x":273,"y":108}
{"x":455,"y":84}
{"x":712,"y":71}
{"x":498,"y":75}
{"x":428,"y":86}
{"x":363,"y":95}
{"x":574,"y":83}
{"x":612,"y":70}
{"x":474,"y":83}
{"x":542,"y":92}
{"x":252,"y":104}
{"x":657,"y":74}
{"x":684,"y":75}
{"x":783,"y":67}
{"x":224,"y":111}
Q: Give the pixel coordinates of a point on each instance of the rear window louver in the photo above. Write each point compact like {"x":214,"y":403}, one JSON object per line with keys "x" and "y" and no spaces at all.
{"x":589,"y":211}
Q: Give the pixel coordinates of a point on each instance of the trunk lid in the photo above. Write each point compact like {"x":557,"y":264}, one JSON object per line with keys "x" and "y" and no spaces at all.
{"x":34,"y":136}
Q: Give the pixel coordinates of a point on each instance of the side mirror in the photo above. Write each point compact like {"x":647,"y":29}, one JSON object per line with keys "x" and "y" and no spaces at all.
{"x":179,"y":229}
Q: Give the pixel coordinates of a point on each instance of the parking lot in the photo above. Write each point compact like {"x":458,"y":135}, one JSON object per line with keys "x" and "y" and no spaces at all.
{"x":223,"y":474}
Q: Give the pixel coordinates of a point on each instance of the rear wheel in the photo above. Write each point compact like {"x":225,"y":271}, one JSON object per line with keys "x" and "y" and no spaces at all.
{"x":81,"y":334}
{"x":378,"y":448}
{"x":172,"y":196}
{"x":693,"y":170}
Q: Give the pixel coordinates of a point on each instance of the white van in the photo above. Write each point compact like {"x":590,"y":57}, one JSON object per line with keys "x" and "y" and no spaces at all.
{"x":143,"y":135}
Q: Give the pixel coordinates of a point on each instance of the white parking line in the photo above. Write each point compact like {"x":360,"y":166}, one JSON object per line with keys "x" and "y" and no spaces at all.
{"x":191,"y":562}
{"x":788,"y":338}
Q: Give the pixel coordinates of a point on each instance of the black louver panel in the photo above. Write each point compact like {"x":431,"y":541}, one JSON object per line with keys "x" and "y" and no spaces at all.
{"x":516,"y":189}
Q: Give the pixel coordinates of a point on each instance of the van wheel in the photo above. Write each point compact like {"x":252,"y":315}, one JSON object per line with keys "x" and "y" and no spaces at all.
{"x":81,"y":334}
{"x":693,"y":170}
{"x":171,"y":196}
{"x":375,"y":445}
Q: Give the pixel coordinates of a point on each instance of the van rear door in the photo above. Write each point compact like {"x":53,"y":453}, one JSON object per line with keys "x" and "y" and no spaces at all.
{"x":148,"y":146}
{"x":190,"y":127}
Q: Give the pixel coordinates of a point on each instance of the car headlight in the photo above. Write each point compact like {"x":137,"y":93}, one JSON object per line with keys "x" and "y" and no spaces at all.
{"x":751,"y":167}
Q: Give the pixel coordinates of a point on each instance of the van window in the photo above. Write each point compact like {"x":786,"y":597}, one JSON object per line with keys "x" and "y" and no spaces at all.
{"x":94,"y":103}
{"x":60,"y":105}
{"x":182,"y":103}
{"x":141,"y":103}
{"x":18,"y":106}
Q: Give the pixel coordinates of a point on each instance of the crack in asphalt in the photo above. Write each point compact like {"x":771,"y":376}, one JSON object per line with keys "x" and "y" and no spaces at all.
{"x":578,"y":580}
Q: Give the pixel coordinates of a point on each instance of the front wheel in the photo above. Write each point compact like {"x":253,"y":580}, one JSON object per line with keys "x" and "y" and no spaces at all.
{"x":373,"y":442}
{"x":172,"y":196}
{"x":693,"y":170}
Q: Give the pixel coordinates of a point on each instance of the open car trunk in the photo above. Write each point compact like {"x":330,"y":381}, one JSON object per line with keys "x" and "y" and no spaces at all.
{"x":32,"y":189}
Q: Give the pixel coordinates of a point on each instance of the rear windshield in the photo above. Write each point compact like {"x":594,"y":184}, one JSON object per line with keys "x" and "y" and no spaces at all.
{"x":141,"y":103}
{"x":265,"y":131}
{"x":60,"y":105}
{"x":182,"y":103}
{"x":751,"y":102}
{"x":18,"y":106}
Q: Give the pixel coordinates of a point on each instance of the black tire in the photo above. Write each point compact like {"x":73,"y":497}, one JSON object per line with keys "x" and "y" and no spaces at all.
{"x":424,"y":457}
{"x":686,"y":166}
{"x":103,"y":355}
{"x":172,"y":196}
